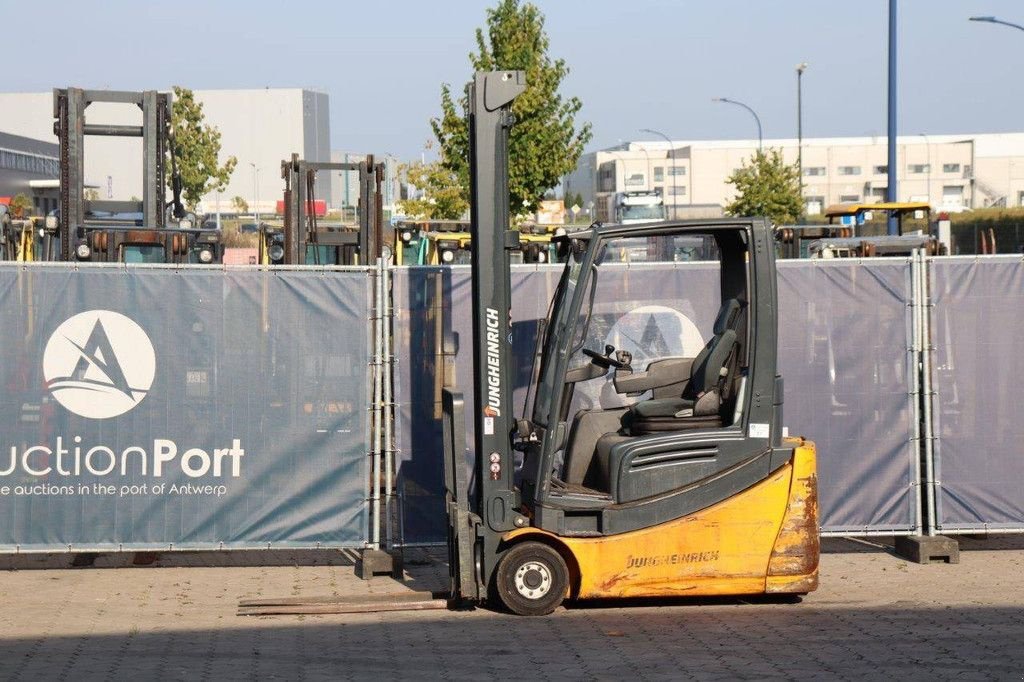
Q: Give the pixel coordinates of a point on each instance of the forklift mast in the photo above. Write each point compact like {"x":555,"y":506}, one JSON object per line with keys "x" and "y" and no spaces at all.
{"x":478,"y":514}
{"x":69,"y":126}
{"x":302,"y":228}
{"x":490,"y":118}
{"x":110,"y":230}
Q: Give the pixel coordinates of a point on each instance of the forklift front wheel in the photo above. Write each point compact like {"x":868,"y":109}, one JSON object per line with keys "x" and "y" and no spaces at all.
{"x":532,"y":579}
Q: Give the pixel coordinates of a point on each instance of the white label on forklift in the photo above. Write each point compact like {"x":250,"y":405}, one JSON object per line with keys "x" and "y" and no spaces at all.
{"x":488,"y":426}
{"x":758,"y":430}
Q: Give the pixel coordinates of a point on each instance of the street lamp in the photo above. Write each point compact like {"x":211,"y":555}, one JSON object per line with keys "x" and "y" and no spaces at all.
{"x":928,"y":148}
{"x":672,"y":168}
{"x":647,"y":171}
{"x":993,"y":20}
{"x":752,"y":113}
{"x":800,"y":68}
{"x":255,"y":192}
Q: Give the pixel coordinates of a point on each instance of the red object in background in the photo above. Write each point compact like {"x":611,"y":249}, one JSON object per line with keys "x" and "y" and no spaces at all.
{"x":317,"y":207}
{"x":6,"y":201}
{"x":234,"y":255}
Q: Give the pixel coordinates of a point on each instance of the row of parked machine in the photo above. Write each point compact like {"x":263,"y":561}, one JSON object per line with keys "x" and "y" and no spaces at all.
{"x":155,"y":230}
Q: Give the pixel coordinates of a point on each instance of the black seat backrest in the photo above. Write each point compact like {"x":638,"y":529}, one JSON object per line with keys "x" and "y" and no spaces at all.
{"x":705,"y":372}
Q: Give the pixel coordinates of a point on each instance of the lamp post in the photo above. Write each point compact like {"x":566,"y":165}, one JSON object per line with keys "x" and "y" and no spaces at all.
{"x":800,"y":68}
{"x":255,"y":192}
{"x":647,"y":170}
{"x":891,"y":193}
{"x":989,"y":20}
{"x":672,"y":168}
{"x":752,"y":113}
{"x":993,"y":20}
{"x":928,"y":149}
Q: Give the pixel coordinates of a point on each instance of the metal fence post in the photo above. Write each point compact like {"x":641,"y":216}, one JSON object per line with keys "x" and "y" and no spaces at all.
{"x":915,"y":379}
{"x":926,"y":390}
{"x":387,"y":407}
{"x":375,"y":414}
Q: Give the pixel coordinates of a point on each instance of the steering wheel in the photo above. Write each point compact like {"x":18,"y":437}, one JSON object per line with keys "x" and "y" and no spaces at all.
{"x":606,"y":360}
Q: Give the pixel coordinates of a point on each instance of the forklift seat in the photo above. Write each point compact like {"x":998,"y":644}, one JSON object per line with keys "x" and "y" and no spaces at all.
{"x":699,"y":406}
{"x":700,"y":403}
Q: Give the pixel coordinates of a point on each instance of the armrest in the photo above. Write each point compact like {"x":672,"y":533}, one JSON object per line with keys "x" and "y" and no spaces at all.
{"x":658,"y":374}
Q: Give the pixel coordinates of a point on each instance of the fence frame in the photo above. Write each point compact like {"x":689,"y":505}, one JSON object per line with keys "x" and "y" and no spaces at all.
{"x":934,"y":459}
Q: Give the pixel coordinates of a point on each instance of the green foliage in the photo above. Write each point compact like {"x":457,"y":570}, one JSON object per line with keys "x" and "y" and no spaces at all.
{"x":196,"y":148}
{"x":767,"y":187}
{"x":240,"y":205}
{"x":443,"y":197}
{"x":21,"y":206}
{"x":91,"y":194}
{"x":544,"y":144}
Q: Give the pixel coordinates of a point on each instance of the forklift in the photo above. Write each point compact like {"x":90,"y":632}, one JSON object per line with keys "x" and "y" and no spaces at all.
{"x":446,"y":242}
{"x":691,"y":491}
{"x":306,"y":239}
{"x":147,"y":231}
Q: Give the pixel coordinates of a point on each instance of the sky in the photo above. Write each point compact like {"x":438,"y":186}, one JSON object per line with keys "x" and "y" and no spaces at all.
{"x":633,"y":63}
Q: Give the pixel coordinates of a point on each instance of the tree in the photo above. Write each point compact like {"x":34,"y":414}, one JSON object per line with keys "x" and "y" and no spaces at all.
{"x":442,"y":196}
{"x":767,"y":187}
{"x":91,"y":194}
{"x":240,"y":205}
{"x":196,"y":147}
{"x":544,"y":144}
{"x":20,"y":206}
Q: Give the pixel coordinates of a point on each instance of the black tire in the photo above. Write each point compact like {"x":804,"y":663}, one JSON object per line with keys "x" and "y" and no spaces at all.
{"x":532,"y":579}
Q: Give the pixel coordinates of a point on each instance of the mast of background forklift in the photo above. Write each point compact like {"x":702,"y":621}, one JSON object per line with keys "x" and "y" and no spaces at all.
{"x":490,"y":117}
{"x":891,"y":193}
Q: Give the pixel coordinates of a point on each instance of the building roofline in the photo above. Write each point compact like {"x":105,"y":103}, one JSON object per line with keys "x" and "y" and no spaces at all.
{"x":638,"y":146}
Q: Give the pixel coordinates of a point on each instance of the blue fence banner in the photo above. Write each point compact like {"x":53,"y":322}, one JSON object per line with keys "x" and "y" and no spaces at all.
{"x":153,"y":407}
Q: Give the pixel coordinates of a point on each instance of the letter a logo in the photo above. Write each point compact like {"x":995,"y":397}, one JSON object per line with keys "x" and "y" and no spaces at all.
{"x":99,"y":364}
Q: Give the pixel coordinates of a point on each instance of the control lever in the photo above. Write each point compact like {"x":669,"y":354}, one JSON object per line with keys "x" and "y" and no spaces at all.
{"x":626,"y":359}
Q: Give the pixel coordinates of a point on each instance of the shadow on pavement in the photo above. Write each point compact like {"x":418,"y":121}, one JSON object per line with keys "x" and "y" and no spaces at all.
{"x":180,"y":559}
{"x":729,"y":641}
{"x":885,"y":544}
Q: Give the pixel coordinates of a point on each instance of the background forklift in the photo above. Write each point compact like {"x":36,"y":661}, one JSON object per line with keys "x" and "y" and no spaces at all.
{"x":691,"y":491}
{"x":447,"y":242}
{"x":306,"y":239}
{"x":148,"y":231}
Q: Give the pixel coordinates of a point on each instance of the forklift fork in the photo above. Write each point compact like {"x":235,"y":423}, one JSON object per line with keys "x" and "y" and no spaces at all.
{"x":463,"y":525}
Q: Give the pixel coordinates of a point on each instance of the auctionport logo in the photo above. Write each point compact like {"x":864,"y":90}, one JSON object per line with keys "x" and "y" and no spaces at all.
{"x":99,"y":364}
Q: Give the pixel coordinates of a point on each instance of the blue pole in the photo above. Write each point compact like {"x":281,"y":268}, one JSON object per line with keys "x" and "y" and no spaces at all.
{"x":891,"y":194}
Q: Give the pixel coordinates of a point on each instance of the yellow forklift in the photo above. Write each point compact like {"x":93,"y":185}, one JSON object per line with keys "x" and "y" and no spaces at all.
{"x":691,"y":491}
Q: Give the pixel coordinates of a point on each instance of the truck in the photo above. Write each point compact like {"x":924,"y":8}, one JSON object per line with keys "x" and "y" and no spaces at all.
{"x":627,"y":208}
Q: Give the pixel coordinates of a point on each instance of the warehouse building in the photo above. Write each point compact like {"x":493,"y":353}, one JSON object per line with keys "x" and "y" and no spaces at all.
{"x":951,"y":172}
{"x":259,"y":127}
{"x":28,"y":167}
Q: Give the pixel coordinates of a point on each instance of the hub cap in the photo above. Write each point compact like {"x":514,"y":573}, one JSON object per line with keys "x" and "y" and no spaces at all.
{"x":533,"y":580}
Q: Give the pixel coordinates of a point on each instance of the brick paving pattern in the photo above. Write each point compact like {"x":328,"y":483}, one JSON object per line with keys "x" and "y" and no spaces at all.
{"x":875,"y":617}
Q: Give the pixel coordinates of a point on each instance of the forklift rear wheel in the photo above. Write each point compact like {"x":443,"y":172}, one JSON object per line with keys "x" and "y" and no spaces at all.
{"x":532,"y":579}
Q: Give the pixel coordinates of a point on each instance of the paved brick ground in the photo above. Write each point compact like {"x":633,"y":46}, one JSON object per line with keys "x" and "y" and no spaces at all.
{"x":875,"y":617}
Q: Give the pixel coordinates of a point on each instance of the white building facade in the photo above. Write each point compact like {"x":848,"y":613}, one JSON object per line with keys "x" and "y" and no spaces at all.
{"x":259,"y":127}
{"x":951,"y":172}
